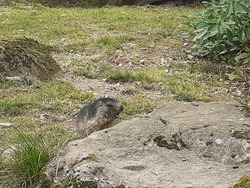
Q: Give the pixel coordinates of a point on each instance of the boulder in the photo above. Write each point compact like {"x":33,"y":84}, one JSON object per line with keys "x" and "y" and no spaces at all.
{"x":177,"y":145}
{"x":27,"y":57}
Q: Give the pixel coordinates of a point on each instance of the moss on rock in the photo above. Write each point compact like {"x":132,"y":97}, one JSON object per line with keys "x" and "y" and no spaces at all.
{"x":244,"y":182}
{"x":25,"y":56}
{"x":245,"y":134}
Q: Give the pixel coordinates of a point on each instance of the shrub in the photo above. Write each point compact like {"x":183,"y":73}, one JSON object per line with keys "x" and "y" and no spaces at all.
{"x":222,"y":32}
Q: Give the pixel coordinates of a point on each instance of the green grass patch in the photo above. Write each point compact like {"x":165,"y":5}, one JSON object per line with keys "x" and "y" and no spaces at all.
{"x":89,"y":68}
{"x":112,"y":43}
{"x":154,"y":75}
{"x":30,"y":154}
{"x":7,"y":83}
{"x":49,"y":96}
{"x":87,"y":29}
{"x":181,"y":86}
{"x":11,"y":107}
{"x":58,"y":96}
{"x":56,"y":137}
{"x":139,"y":104}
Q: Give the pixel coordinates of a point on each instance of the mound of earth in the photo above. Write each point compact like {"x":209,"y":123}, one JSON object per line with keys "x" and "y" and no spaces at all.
{"x":22,"y":57}
{"x":198,"y":145}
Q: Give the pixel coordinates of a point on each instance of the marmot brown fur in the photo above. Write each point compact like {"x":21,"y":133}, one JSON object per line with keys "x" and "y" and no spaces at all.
{"x":98,"y":115}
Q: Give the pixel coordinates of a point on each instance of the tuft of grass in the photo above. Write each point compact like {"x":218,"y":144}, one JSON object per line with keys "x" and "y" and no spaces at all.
{"x":114,"y":42}
{"x":11,"y":107}
{"x":29,"y":154}
{"x":154,"y":75}
{"x":29,"y":157}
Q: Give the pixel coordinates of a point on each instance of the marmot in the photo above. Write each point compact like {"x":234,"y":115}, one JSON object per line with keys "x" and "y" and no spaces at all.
{"x":98,"y":115}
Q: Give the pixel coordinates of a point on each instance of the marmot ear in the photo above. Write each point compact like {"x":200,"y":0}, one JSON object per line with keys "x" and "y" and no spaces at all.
{"x":99,"y":103}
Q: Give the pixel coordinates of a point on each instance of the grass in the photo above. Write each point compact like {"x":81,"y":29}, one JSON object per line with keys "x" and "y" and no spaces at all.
{"x":49,"y":96}
{"x":93,"y":28}
{"x":29,"y":153}
{"x":140,"y":103}
{"x":11,"y":107}
{"x":89,"y":68}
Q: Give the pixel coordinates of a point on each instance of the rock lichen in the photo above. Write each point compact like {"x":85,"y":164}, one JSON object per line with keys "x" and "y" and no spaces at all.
{"x":244,"y":182}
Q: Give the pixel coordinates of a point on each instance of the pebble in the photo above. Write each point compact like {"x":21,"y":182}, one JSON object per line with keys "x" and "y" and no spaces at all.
{"x":7,"y":125}
{"x":14,"y":78}
{"x":218,"y":141}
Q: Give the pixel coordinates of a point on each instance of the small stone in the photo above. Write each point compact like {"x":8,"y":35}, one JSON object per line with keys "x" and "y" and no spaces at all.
{"x":142,"y":61}
{"x":7,"y":125}
{"x":218,"y":141}
{"x":14,"y":78}
{"x":190,"y":57}
{"x":210,"y":167}
{"x":235,"y":167}
{"x":44,"y":116}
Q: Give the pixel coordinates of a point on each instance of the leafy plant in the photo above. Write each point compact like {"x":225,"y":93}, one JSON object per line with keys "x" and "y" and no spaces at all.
{"x":222,"y":32}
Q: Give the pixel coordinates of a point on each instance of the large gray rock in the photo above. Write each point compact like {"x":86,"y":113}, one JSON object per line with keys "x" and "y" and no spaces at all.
{"x":178,"y":145}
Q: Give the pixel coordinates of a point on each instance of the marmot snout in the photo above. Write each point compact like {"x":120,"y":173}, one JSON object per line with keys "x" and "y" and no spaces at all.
{"x":98,"y":115}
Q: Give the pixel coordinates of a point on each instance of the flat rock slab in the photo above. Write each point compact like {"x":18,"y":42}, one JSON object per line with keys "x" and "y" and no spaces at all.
{"x":178,"y":145}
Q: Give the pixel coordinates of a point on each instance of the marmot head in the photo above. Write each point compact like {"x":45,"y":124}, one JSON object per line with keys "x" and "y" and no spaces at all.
{"x":108,"y":107}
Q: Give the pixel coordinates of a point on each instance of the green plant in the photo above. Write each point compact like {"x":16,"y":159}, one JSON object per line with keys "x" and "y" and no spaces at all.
{"x":244,"y":182}
{"x":29,"y":156}
{"x":11,"y":107}
{"x":153,"y":75}
{"x":222,"y":32}
{"x":138,"y":104}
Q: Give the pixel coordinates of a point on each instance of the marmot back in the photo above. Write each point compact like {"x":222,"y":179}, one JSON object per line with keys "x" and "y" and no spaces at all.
{"x":98,"y":115}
